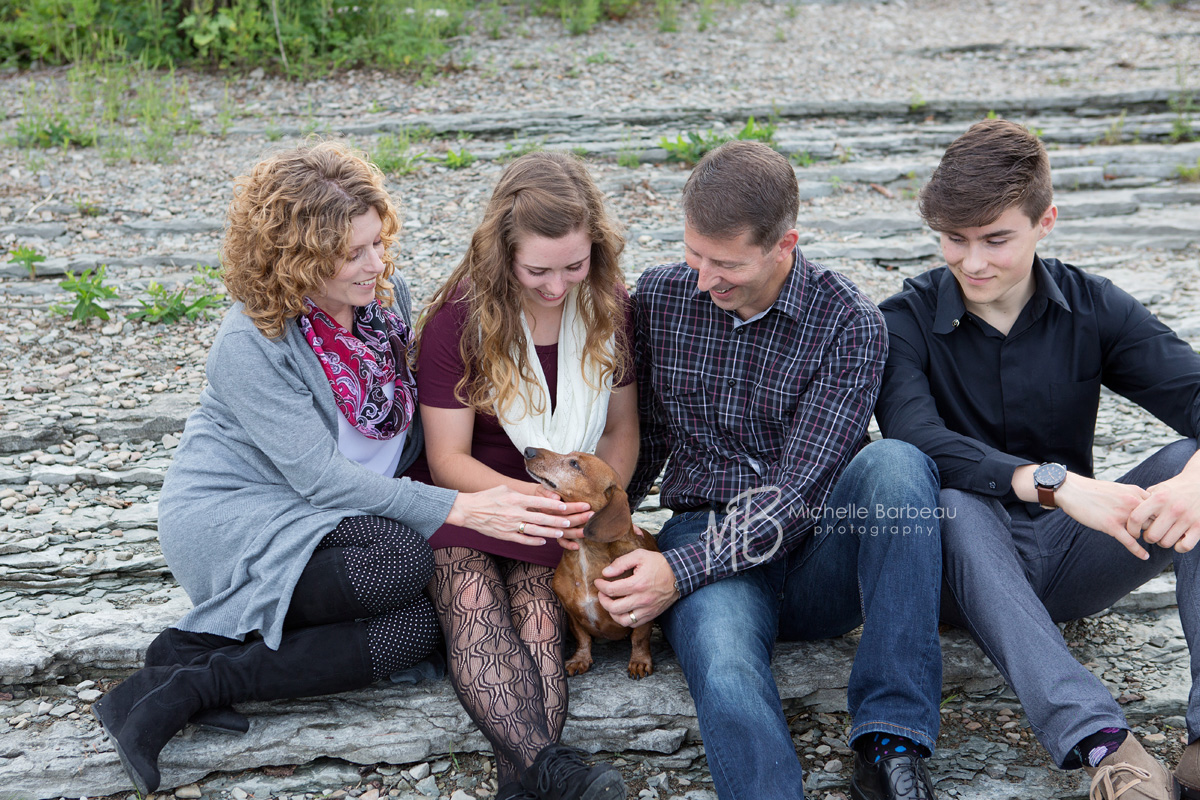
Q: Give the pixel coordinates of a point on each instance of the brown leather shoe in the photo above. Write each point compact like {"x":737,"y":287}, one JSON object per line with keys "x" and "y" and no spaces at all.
{"x":1131,"y":774}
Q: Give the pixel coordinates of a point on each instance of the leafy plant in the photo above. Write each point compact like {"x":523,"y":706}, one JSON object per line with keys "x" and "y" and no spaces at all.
{"x":28,"y":258}
{"x":459,"y":160}
{"x":169,"y":307}
{"x":752,"y":131}
{"x":916,"y":101}
{"x":690,"y":147}
{"x":600,"y":57}
{"x":87,"y":288}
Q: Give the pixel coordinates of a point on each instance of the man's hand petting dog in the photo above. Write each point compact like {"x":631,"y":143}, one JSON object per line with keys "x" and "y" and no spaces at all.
{"x":647,"y":592}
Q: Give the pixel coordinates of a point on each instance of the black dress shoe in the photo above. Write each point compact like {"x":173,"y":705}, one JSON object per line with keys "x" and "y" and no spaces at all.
{"x":903,"y":776}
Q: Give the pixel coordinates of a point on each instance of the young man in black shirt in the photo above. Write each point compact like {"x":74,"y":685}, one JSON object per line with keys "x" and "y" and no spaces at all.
{"x":994,"y":370}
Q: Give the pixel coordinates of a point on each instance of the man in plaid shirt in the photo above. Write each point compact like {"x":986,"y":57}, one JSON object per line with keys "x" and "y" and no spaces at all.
{"x":757,"y":373}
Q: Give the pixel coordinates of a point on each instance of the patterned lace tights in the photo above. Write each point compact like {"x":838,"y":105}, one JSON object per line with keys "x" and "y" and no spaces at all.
{"x":503,"y":628}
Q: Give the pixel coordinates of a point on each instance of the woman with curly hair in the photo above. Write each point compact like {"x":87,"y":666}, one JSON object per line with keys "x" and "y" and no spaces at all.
{"x":305,"y":557}
{"x":526,"y":345}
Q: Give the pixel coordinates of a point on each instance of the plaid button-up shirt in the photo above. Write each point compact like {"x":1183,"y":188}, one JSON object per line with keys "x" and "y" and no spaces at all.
{"x":764,"y":414}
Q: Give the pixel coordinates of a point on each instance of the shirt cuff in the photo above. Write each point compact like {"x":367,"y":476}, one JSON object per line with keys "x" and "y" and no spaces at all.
{"x":686,"y":580}
{"x":993,"y":476}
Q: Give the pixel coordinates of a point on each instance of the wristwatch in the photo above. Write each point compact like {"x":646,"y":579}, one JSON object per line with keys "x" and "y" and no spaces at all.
{"x":1048,"y":477}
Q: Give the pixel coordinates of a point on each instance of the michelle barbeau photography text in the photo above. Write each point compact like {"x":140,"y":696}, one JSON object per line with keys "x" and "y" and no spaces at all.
{"x":751,"y":515}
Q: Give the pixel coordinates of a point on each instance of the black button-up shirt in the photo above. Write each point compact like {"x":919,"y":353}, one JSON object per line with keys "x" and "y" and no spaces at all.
{"x":981,"y":403}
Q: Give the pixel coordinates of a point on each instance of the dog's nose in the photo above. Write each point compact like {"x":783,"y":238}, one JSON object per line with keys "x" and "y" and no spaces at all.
{"x":531,"y":452}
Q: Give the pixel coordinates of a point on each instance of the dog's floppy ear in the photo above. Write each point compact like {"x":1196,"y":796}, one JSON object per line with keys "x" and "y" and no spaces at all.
{"x":613,"y":520}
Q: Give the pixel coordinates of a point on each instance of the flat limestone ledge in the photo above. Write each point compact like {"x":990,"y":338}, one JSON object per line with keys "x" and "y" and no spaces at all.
{"x":404,"y":724}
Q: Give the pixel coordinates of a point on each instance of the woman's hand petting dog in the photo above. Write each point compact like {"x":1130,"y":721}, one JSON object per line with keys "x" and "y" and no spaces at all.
{"x":505,"y":513}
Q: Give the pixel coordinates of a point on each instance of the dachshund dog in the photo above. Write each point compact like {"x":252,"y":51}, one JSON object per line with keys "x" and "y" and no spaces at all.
{"x":609,"y":534}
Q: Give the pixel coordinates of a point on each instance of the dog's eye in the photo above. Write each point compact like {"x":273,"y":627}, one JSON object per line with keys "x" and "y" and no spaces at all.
{"x":574,"y":464}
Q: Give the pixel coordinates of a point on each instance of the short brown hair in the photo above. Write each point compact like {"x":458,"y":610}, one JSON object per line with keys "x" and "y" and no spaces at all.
{"x":289,"y":229}
{"x":996,"y":165}
{"x":742,"y":186}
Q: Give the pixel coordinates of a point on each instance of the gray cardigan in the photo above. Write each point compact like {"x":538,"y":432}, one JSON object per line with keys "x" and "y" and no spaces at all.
{"x":258,"y":480}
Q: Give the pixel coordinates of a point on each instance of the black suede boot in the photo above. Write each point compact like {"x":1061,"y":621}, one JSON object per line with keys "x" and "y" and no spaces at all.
{"x":174,"y":647}
{"x":152,"y":705}
{"x":323,"y":594}
{"x":560,"y":773}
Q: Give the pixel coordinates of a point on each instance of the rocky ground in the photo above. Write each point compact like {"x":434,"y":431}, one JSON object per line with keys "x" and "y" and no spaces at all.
{"x":864,"y":95}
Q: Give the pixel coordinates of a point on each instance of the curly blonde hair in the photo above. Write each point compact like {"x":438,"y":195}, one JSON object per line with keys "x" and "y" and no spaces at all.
{"x":540,"y":194}
{"x":289,"y":229}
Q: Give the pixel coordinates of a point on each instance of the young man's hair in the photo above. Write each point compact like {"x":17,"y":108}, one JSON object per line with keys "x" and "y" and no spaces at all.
{"x":996,"y":165}
{"x":740,"y":187}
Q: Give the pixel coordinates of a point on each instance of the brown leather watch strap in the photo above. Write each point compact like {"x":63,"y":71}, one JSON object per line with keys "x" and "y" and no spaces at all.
{"x":1046,"y":497}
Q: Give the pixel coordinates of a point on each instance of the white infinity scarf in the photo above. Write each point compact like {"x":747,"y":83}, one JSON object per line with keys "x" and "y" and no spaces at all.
{"x":580,"y":412}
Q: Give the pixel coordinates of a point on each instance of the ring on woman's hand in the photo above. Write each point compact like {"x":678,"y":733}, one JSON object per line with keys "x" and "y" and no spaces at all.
{"x":521,"y":528}
{"x":633,"y":617}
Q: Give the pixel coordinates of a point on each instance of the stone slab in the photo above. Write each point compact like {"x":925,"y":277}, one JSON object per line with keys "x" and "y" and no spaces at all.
{"x":403,"y":724}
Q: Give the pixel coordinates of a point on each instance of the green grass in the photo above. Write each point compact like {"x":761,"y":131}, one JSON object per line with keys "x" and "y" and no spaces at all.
{"x":1189,"y":174}
{"x":395,"y":153}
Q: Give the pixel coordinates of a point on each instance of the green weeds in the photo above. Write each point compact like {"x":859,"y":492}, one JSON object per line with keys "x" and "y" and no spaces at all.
{"x":689,"y":147}
{"x":458,"y":160}
{"x":28,"y":258}
{"x":88,"y":289}
{"x":170,"y":307}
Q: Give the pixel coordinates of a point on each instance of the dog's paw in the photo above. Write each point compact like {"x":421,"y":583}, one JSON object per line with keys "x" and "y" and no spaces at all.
{"x":578,"y":666}
{"x":640,"y":668}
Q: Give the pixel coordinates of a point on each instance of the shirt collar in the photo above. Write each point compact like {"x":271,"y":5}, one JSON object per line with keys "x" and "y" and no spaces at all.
{"x":950,"y":308}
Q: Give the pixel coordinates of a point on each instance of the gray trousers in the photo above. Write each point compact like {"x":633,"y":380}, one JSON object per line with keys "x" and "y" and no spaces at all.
{"x":1009,"y":578}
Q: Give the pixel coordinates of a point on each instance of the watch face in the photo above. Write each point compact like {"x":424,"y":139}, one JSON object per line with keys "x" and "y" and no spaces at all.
{"x":1050,"y":475}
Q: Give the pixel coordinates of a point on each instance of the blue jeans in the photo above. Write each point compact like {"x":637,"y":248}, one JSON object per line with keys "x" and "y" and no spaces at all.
{"x":872,"y":561}
{"x":1010,"y":578}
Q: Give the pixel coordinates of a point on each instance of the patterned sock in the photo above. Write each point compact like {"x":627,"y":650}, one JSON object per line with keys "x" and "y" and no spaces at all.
{"x":1100,"y":745}
{"x":876,"y":746}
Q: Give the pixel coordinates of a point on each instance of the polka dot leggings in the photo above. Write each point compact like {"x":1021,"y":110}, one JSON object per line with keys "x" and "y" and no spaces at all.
{"x":382,"y":568}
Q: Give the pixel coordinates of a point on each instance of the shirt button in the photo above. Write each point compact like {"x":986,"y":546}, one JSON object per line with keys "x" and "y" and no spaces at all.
{"x":731,"y":382}
{"x":739,"y":331}
{"x":991,"y":484}
{"x":954,"y":324}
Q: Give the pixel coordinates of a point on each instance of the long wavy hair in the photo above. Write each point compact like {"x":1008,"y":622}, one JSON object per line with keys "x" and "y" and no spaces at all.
{"x":539,"y":194}
{"x":289,"y":229}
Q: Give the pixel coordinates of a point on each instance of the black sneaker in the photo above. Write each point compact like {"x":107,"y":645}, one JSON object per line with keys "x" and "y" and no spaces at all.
{"x":560,"y":773}
{"x":902,"y":776}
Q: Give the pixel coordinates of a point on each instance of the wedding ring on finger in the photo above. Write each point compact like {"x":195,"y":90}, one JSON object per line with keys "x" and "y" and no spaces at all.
{"x":633,"y":618}
{"x":521,"y":529}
